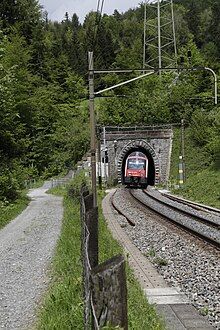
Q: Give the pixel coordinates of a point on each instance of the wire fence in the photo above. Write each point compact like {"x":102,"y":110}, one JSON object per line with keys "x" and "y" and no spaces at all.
{"x":30,"y":183}
{"x":104,"y":285}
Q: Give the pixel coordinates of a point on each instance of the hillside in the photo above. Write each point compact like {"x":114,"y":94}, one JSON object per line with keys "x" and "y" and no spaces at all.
{"x":44,"y":125}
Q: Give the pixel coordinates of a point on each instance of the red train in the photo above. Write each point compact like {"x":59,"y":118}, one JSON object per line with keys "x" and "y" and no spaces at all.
{"x":136,"y":170}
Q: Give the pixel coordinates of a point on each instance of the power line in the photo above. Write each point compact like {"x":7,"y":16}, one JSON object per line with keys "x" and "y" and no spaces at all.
{"x":98,"y":6}
{"x":98,"y":21}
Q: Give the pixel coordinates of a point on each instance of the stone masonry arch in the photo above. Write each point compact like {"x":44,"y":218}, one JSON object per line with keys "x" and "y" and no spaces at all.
{"x":142,"y":146}
{"x":154,"y":141}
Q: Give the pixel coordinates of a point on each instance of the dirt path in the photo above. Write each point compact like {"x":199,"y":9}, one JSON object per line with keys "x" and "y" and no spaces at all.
{"x":26,"y":247}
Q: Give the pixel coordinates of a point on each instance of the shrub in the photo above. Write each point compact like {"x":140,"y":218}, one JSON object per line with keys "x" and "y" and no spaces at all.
{"x":9,"y":186}
{"x":74,"y":187}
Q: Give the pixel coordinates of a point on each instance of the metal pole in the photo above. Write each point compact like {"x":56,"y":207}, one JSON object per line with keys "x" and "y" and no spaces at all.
{"x":104,"y":142}
{"x":216,"y":83}
{"x":159,"y":37}
{"x":124,"y":82}
{"x":100,"y":162}
{"x":183,"y":150}
{"x":181,"y":171}
{"x":174,"y":32}
{"x":92,"y":127}
{"x":144,"y":47}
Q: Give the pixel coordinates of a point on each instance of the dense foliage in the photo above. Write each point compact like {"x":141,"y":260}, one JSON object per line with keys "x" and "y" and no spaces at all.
{"x":43,"y":82}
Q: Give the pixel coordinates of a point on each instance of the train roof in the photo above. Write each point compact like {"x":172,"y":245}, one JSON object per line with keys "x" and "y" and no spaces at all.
{"x":137,"y":154}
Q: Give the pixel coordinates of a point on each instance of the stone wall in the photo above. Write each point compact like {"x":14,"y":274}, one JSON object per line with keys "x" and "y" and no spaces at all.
{"x":156,"y":142}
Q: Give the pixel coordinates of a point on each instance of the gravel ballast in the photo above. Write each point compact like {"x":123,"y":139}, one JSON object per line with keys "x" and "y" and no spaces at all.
{"x":179,"y":258}
{"x":27,"y":245}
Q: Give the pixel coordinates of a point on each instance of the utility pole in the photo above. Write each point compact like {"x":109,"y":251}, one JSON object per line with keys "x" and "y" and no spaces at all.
{"x":92,"y":126}
{"x":174,"y":31}
{"x":144,"y":41}
{"x":105,"y":150}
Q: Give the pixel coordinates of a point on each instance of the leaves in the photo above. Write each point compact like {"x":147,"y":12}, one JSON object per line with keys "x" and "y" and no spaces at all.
{"x":43,"y":80}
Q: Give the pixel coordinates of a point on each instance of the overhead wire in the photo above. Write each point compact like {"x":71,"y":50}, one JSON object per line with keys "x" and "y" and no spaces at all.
{"x":97,"y":21}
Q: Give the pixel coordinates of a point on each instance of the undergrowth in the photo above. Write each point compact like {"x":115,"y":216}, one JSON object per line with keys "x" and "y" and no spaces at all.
{"x":63,"y":305}
{"x":9,"y":211}
{"x":202,"y":175}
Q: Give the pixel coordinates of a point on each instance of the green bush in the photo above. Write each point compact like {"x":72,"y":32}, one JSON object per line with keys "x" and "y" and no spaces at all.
{"x":12,"y":180}
{"x":9,"y":186}
{"x":74,"y":187}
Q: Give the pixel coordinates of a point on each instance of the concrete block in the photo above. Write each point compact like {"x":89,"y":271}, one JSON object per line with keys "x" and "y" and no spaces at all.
{"x":165,"y":296}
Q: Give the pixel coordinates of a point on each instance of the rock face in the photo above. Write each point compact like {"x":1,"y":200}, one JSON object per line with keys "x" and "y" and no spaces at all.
{"x":26,"y":247}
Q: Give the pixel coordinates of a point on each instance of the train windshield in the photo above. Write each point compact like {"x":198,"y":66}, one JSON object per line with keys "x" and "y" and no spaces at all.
{"x":139,"y":164}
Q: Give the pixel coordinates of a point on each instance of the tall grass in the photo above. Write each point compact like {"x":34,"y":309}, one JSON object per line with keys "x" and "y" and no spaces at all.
{"x":202,"y":177}
{"x":63,"y":305}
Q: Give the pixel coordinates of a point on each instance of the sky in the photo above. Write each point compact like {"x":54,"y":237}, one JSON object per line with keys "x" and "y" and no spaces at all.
{"x":57,"y":8}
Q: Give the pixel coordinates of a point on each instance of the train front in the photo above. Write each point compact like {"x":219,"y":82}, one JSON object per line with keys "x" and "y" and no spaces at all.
{"x":136,"y":169}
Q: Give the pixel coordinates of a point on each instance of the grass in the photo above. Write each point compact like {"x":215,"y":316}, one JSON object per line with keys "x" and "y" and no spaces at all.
{"x":202,"y":177}
{"x":203,"y":187}
{"x":10,"y":210}
{"x":63,"y":306}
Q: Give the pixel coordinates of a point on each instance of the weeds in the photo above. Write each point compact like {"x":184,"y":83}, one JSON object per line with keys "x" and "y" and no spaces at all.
{"x":160,"y":261}
{"x":151,"y":252}
{"x":63,"y":305}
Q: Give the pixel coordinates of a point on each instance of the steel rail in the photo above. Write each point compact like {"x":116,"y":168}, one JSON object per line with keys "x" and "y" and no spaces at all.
{"x":198,"y":206}
{"x":185,"y":212}
{"x":128,"y":218}
{"x":188,"y":229}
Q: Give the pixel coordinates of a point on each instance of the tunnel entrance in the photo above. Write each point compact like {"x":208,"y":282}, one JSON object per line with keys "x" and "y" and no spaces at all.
{"x":148,"y":151}
{"x":151,"y":167}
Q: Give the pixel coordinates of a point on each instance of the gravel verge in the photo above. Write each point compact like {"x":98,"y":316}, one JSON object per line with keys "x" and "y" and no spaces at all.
{"x":27,"y":245}
{"x":180,"y":259}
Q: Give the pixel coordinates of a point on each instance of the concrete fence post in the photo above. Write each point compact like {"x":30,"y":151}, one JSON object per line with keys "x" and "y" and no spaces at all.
{"x":109,"y":293}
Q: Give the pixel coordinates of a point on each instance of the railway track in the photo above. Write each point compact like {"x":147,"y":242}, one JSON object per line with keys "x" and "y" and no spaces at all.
{"x":184,"y":208}
{"x":205,"y":227}
{"x":181,"y":255}
{"x":121,"y":212}
{"x":203,"y":208}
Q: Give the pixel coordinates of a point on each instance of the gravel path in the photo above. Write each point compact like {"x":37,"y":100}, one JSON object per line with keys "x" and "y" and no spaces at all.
{"x":26,"y":247}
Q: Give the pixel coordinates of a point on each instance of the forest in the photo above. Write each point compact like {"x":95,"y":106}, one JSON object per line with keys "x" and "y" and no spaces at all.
{"x":44,"y":117}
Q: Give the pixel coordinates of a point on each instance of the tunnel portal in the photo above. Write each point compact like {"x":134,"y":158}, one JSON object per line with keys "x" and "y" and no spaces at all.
{"x":154,"y":141}
{"x":148,"y":151}
{"x":151,"y":167}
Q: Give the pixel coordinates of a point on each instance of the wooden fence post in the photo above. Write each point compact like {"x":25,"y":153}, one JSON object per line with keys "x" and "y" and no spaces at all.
{"x":89,"y":249}
{"x":109,"y":293}
{"x":92,"y":227}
